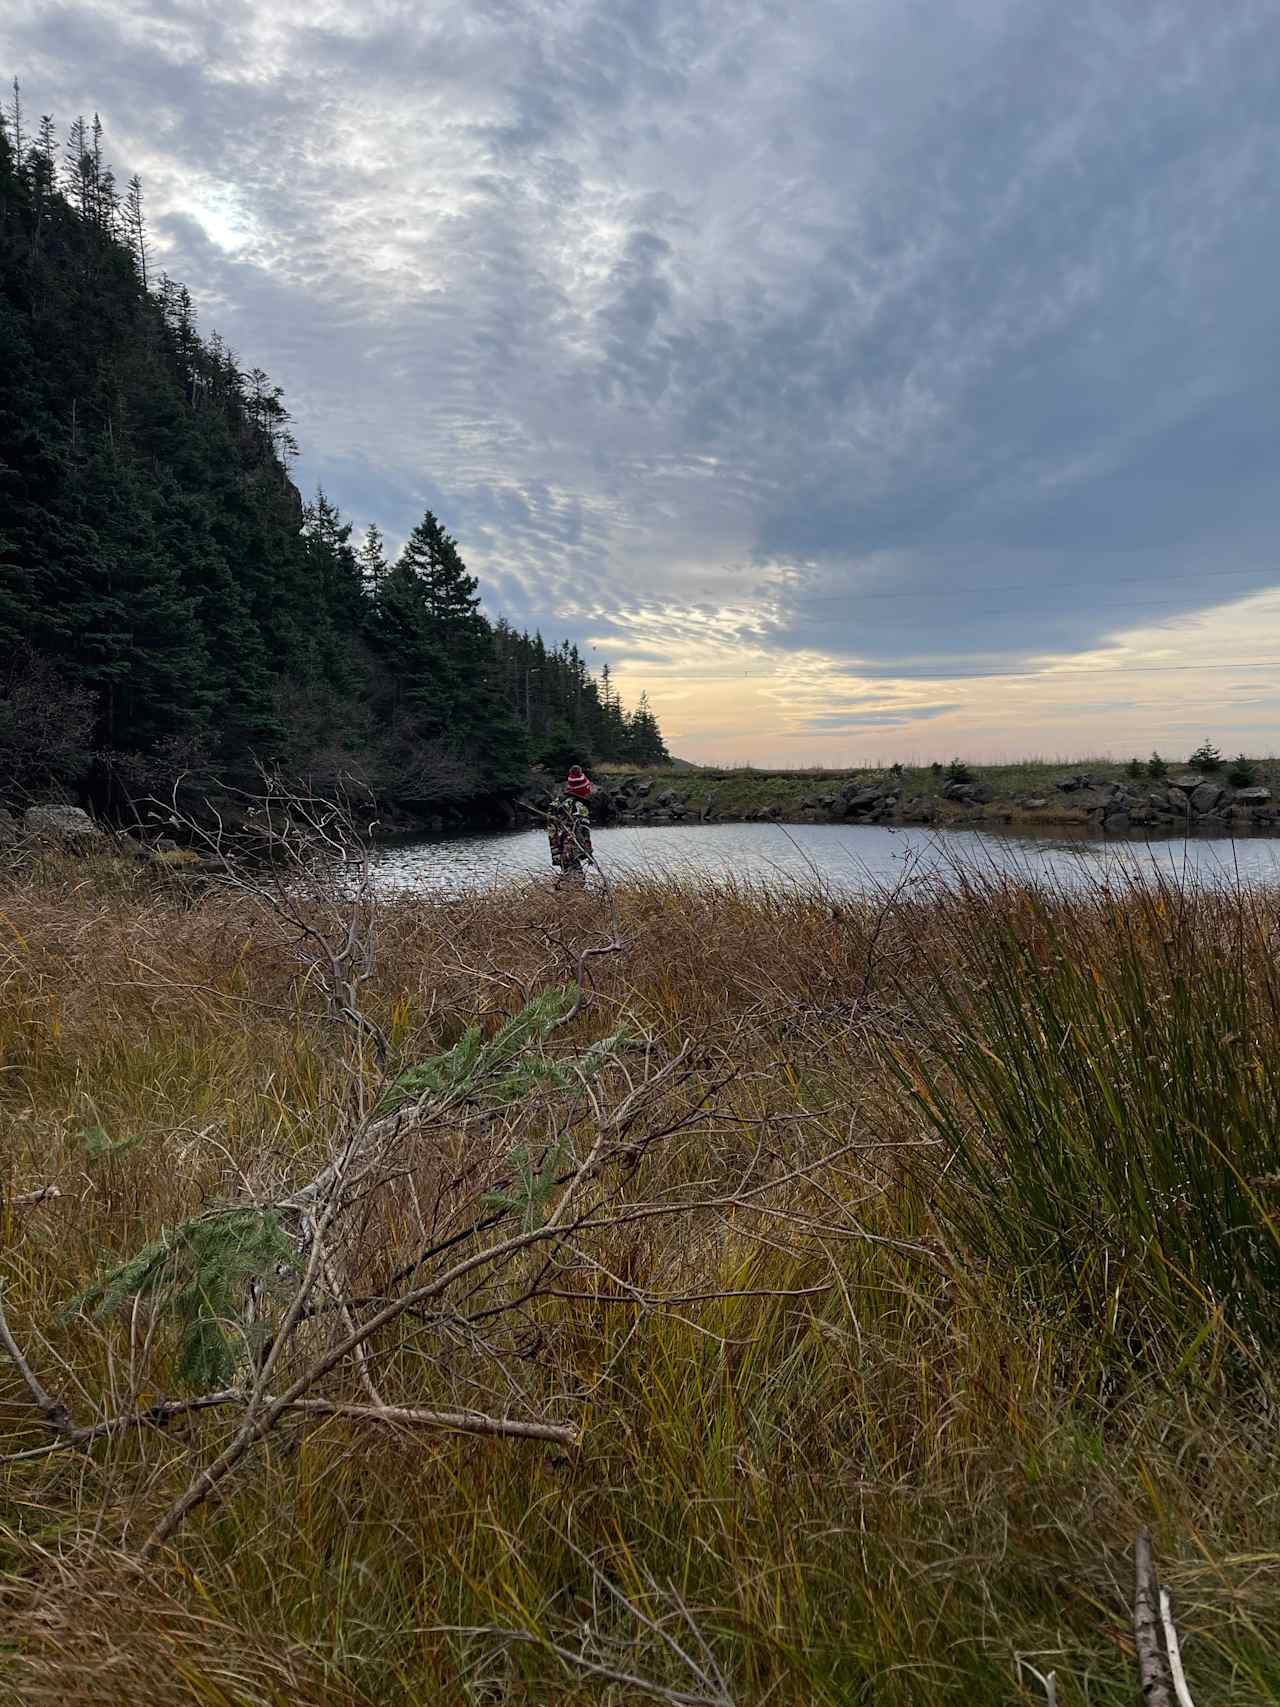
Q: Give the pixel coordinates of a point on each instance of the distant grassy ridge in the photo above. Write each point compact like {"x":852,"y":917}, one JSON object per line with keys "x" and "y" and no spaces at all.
{"x":735,"y":793}
{"x":876,"y":1450}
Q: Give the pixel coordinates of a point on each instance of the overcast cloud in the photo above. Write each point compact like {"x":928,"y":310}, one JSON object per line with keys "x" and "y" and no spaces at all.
{"x":810,"y":359}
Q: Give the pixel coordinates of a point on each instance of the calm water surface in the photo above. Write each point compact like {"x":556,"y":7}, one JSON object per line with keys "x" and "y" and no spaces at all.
{"x":845,"y":857}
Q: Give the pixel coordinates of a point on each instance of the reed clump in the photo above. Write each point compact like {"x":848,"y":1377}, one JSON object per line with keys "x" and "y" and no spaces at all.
{"x":946,"y":1259}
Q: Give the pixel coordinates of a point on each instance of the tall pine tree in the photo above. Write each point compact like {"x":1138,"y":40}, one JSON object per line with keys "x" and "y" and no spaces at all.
{"x":157,"y":561}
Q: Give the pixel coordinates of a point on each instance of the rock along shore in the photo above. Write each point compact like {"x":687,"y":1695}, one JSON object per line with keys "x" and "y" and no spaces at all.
{"x":1186,"y":800}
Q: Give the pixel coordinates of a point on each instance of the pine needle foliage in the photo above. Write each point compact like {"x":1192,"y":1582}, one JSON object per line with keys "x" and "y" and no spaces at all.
{"x":510,"y":1065}
{"x":531,"y":1186}
{"x":99,"y":1144}
{"x":198,"y":1273}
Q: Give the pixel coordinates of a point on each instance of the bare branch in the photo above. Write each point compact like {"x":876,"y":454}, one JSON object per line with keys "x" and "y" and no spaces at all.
{"x":41,"y":1195}
{"x":413,"y":1416}
{"x":1153,"y":1673}
{"x":55,"y":1412}
{"x":594,"y":1668}
{"x":461,"y":1422}
{"x":1174,"y":1651}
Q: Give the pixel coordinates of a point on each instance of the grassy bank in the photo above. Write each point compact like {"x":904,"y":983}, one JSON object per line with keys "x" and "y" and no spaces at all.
{"x":1021,"y":794}
{"x":933,"y":1251}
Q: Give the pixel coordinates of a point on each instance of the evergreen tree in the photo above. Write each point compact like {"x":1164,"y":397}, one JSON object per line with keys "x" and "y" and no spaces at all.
{"x":645,"y":745}
{"x":372,"y":560}
{"x":136,"y":227}
{"x":157,"y":561}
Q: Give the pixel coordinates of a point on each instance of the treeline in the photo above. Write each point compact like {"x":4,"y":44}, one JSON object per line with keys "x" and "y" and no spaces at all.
{"x":566,"y":711}
{"x":169,"y":603}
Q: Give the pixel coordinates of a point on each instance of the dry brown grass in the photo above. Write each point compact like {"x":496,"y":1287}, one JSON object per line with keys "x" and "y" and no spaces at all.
{"x":882,"y":1491}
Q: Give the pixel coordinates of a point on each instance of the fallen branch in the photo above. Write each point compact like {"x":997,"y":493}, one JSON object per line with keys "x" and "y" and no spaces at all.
{"x":154,"y":1416}
{"x":55,"y":1412}
{"x":593,"y":1668}
{"x":38,"y":1196}
{"x":411,"y":1416}
{"x":1153,"y":1672}
{"x":460,"y":1422}
{"x":1174,"y":1651}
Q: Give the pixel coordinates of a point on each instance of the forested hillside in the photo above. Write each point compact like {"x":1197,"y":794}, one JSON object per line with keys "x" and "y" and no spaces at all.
{"x":169,"y":603}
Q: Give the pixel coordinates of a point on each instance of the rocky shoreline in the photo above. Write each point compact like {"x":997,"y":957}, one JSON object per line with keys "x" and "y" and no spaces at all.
{"x":1186,"y":800}
{"x":1078,"y":800}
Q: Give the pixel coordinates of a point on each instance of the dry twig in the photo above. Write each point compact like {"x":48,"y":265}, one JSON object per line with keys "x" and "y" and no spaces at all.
{"x":1153,"y":1671}
{"x":54,"y":1411}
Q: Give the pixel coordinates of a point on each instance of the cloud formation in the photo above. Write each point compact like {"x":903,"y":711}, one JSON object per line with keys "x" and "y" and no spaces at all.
{"x":853,"y":348}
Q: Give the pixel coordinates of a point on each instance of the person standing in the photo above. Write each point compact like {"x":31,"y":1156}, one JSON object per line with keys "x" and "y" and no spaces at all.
{"x":569,"y":827}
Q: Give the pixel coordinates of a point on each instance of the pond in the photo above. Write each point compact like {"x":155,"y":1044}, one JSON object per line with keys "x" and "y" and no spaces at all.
{"x":848,"y":858}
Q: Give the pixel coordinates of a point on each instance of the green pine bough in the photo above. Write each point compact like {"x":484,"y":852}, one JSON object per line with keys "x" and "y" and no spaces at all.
{"x":200,"y":1272}
{"x":197,"y":1273}
{"x":510,"y":1065}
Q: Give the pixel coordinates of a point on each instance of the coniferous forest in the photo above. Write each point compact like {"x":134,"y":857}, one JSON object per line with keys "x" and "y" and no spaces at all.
{"x":169,"y":603}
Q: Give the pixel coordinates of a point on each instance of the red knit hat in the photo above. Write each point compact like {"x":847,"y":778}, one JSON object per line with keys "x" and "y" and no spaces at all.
{"x":578,"y":783}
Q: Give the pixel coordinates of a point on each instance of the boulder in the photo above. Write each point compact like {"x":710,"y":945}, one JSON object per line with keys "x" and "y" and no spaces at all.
{"x":9,"y":830}
{"x":1036,"y":805}
{"x":862,"y":799}
{"x":1252,"y":796}
{"x":1178,"y":801}
{"x":1206,"y":797}
{"x":1188,"y":782}
{"x":919,"y":810}
{"x":643,"y":788}
{"x":969,"y":793}
{"x":60,"y":823}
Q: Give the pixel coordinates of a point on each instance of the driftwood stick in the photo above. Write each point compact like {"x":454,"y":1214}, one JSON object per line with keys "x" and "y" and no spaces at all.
{"x":55,"y":1412}
{"x":1174,"y":1651}
{"x":409,"y":1416}
{"x":462,"y":1422}
{"x":1153,"y":1672}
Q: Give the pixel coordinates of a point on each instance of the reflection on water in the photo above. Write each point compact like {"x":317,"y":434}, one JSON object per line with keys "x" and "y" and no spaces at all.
{"x":845,"y":857}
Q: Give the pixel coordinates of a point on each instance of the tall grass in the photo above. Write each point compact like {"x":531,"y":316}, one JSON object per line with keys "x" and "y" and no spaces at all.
{"x":872,"y":1462}
{"x":1113,"y":1105}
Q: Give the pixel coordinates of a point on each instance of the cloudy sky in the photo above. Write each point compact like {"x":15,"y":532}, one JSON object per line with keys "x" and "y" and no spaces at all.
{"x":866,"y":378}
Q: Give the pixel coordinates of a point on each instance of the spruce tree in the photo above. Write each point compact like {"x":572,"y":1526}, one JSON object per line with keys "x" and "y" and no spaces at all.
{"x":372,"y":560}
{"x":156,"y":558}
